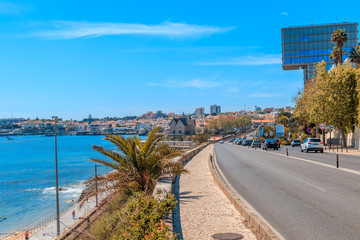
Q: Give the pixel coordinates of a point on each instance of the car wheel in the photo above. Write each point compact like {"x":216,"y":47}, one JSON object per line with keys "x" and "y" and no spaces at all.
{"x":307,"y":150}
{"x":322,"y":151}
{"x":301,"y":150}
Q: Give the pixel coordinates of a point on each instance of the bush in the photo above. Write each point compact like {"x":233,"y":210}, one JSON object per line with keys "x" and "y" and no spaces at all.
{"x":285,"y":142}
{"x":141,"y":218}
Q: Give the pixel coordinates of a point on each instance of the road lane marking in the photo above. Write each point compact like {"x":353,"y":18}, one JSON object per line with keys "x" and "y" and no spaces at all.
{"x":317,"y":163}
{"x":317,"y":187}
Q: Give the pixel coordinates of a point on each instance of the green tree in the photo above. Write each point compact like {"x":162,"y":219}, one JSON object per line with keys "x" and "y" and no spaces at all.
{"x":331,"y":97}
{"x":213,"y":125}
{"x":282,"y":120}
{"x":241,"y":121}
{"x":340,"y":38}
{"x":336,"y":55}
{"x":354,"y":56}
{"x":138,"y":165}
{"x":201,"y":137}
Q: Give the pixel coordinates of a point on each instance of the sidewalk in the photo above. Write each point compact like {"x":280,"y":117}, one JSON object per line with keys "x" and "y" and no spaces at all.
{"x":204,"y":209}
{"x":337,"y":150}
{"x":66,"y":220}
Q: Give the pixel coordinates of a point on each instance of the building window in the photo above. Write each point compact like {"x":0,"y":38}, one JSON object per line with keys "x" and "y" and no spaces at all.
{"x":304,"y":38}
{"x":174,"y":132}
{"x":180,"y":131}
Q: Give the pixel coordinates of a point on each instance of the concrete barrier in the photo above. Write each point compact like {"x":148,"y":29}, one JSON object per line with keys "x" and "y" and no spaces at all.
{"x":252,"y":218}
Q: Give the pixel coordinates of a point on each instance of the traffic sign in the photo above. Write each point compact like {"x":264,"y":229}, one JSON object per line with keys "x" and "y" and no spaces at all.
{"x":322,"y":126}
{"x":308,"y":130}
{"x":330,"y":127}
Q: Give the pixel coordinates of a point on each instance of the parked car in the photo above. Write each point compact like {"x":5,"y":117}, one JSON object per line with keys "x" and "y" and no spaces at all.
{"x":312,"y":144}
{"x":231,"y":140}
{"x":221,"y":141}
{"x":256,"y":143}
{"x":278,"y":142}
{"x":239,"y":142}
{"x":295,"y":142}
{"x":271,"y":143}
{"x":247,"y":142}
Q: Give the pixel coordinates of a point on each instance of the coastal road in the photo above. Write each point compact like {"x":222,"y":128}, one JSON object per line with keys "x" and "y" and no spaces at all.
{"x":301,"y":200}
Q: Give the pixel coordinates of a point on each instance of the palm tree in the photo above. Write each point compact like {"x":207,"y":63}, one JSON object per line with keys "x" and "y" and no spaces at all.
{"x":336,"y":54}
{"x":355,"y":56}
{"x":339,"y":37}
{"x":137,"y":166}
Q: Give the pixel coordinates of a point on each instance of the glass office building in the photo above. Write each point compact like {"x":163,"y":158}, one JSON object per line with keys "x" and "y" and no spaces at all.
{"x":304,"y":46}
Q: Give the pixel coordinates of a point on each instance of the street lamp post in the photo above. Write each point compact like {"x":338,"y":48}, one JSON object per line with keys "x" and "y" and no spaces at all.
{"x":96,"y":185}
{"x":56,"y":119}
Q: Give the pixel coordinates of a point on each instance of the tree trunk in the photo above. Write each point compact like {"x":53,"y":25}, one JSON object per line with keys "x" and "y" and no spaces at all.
{"x":343,"y":135}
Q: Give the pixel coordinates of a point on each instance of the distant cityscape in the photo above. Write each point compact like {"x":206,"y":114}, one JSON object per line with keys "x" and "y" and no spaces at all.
{"x":130,"y":125}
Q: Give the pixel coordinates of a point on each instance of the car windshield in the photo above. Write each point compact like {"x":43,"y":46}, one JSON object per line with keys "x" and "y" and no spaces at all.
{"x":296,"y":140}
{"x":314,"y":140}
{"x":256,"y":141}
{"x":270,"y":140}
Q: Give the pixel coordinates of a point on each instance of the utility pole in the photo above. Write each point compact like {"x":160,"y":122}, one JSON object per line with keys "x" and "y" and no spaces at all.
{"x":96,"y":185}
{"x":56,"y":119}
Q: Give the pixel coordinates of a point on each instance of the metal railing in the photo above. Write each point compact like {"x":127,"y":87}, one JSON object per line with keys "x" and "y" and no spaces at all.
{"x":38,"y":226}
{"x":338,"y":144}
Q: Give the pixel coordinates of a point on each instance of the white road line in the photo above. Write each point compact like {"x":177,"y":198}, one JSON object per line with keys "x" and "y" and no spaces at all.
{"x":318,"y":163}
{"x":317,"y":187}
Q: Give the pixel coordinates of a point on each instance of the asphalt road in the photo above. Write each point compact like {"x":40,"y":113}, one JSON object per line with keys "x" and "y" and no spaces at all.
{"x":345,"y":161}
{"x":301,"y":200}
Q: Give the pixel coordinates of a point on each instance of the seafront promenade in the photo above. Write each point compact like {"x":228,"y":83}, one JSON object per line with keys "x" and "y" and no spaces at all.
{"x":48,"y":232}
{"x":204,"y":209}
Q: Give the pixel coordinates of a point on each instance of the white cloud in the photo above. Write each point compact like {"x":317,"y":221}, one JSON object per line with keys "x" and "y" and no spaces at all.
{"x":284,"y":13}
{"x":266,"y":95}
{"x":9,"y":8}
{"x":201,"y":83}
{"x":266,"y":59}
{"x":72,"y":29}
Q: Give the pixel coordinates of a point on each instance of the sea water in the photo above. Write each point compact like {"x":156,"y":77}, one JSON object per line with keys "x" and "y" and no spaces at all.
{"x":27,"y":176}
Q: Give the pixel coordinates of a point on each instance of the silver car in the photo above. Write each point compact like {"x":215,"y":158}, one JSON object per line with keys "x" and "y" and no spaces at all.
{"x":312,"y":144}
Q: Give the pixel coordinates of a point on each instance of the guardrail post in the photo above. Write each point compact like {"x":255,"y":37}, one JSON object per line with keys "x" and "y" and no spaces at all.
{"x":287,"y":152}
{"x":337,"y":160}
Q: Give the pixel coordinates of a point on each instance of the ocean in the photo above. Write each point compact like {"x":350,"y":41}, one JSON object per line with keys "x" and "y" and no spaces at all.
{"x":27,"y":176}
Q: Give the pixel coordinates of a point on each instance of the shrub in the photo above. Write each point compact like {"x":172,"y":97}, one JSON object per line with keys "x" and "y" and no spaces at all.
{"x":141,"y":218}
{"x":285,"y":142}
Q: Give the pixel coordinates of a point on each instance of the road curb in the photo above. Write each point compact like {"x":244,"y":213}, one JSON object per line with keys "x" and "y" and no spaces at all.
{"x":253,"y":220}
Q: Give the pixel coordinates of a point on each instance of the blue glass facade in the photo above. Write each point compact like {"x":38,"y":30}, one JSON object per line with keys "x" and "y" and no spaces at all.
{"x":304,"y":46}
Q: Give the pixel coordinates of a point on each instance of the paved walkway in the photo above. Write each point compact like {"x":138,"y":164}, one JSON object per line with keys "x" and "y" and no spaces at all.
{"x":204,"y":209}
{"x":48,"y":232}
{"x":67,"y":219}
{"x":337,"y":150}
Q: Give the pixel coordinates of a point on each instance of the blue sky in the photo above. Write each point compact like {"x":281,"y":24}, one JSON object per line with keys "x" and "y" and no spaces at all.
{"x":118,"y":58}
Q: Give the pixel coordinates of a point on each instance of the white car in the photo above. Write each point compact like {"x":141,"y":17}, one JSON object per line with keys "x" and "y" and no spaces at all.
{"x":312,"y":144}
{"x":221,"y":141}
